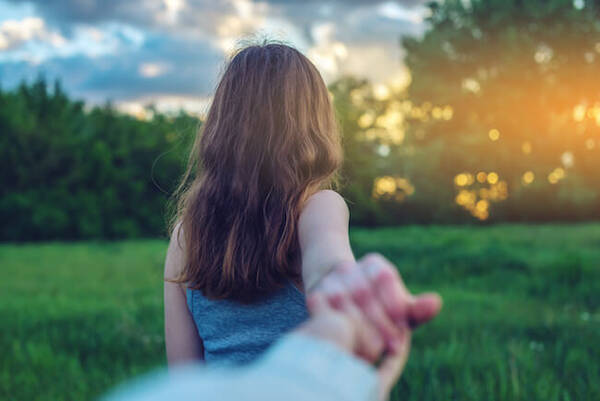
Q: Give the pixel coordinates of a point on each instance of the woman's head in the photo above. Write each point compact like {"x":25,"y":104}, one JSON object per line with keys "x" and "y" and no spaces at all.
{"x":269,"y":141}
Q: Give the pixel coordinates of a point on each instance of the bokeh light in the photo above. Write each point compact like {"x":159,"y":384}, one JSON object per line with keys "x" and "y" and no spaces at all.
{"x":494,"y":134}
{"x":392,"y":188}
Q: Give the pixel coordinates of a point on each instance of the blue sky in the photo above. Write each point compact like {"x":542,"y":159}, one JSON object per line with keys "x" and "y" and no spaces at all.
{"x":170,"y":52}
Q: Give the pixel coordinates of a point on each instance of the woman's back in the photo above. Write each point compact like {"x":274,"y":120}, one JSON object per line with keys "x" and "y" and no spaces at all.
{"x":268,"y":143}
{"x":236,"y":333}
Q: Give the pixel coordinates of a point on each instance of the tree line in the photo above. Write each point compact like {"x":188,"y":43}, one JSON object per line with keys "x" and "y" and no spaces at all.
{"x":501,"y":122}
{"x":70,"y":172}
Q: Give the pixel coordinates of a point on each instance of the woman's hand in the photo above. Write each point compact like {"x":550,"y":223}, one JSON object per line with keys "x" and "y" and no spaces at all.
{"x":380,"y":313}
{"x":373,"y":293}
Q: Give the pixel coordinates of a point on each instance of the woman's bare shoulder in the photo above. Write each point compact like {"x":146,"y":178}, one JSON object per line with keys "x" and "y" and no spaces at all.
{"x":327,"y":197}
{"x":325,"y":205}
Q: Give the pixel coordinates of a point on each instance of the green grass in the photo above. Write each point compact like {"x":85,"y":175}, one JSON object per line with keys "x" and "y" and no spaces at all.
{"x":521,"y":318}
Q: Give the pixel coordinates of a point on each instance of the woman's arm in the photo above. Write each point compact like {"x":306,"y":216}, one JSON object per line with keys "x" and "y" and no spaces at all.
{"x":181,"y":336}
{"x":323,"y":236}
{"x":371,"y":288}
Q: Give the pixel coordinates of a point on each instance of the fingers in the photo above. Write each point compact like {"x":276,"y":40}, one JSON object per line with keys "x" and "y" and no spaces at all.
{"x":369,"y":342}
{"x":388,"y":287}
{"x":392,"y":366}
{"x":424,"y":308}
{"x":399,"y":304}
{"x":371,"y":296}
{"x":367,"y":302}
{"x":317,"y":303}
{"x":329,"y":325}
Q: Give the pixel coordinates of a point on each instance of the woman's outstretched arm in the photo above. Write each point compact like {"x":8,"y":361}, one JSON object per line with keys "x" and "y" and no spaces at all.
{"x":181,"y":336}
{"x":323,"y":236}
{"x":371,"y":288}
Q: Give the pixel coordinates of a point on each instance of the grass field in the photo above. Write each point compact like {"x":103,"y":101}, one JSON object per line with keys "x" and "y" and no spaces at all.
{"x":521,"y":319}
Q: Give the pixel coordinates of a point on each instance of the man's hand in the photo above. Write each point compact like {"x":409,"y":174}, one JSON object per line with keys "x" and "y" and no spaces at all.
{"x":349,"y":334}
{"x":371,"y":295}
{"x":373,"y":288}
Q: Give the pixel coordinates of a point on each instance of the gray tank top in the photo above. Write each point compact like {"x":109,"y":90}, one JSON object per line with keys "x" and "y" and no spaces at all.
{"x":237,"y":333}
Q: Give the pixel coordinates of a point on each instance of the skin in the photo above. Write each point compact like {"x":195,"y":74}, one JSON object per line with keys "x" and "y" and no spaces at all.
{"x":348,"y":331}
{"x":369,"y":291}
{"x":181,"y":336}
{"x":362,"y":339}
{"x":370,"y":288}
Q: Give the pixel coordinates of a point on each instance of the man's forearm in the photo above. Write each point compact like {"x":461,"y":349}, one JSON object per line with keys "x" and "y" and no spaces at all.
{"x":297,"y":368}
{"x":317,"y":370}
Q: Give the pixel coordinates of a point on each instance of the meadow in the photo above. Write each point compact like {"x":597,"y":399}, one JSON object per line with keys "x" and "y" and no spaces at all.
{"x":521,"y":318}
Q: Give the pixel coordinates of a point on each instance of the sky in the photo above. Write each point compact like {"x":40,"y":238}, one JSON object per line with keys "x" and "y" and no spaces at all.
{"x":170,"y":52}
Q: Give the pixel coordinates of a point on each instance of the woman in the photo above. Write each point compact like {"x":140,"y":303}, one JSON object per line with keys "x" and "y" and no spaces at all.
{"x":256,"y":223}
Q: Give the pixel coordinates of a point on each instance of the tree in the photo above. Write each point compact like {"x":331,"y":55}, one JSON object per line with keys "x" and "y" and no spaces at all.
{"x":521,"y":78}
{"x":72,"y":173}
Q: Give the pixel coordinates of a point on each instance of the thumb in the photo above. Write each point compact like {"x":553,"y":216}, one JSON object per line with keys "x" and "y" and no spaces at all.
{"x":392,"y":365}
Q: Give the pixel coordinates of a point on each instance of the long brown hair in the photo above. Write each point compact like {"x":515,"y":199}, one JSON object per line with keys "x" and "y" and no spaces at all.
{"x":270,"y":140}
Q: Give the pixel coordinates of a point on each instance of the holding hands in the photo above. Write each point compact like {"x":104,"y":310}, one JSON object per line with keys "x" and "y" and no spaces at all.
{"x":371,"y":295}
{"x":368,"y":294}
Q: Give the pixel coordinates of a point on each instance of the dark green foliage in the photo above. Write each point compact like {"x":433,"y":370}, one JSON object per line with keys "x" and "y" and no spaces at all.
{"x":521,"y":317}
{"x":68,"y":172}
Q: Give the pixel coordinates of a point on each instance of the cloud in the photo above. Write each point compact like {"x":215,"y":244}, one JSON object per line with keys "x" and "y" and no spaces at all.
{"x":173,"y":49}
{"x":161,"y":66}
{"x":357,"y":37}
{"x":14,"y":33}
{"x":152,"y":70}
{"x":68,"y":12}
{"x":407,"y":3}
{"x":222,"y":22}
{"x":30,"y":40}
{"x":143,"y":13}
{"x":150,"y":12}
{"x":235,"y":17}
